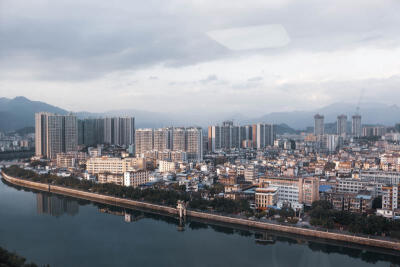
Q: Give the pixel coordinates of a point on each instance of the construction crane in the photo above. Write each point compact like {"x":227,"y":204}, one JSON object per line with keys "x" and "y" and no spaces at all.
{"x":359,"y":101}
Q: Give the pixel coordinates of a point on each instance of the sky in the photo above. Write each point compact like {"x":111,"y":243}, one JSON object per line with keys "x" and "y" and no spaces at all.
{"x":247,"y":57}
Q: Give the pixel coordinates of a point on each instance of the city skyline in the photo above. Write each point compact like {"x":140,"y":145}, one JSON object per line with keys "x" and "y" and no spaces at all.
{"x":293,"y":51}
{"x":130,"y":129}
{"x":17,"y":112}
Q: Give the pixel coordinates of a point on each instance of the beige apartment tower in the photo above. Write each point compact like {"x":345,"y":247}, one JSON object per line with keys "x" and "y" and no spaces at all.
{"x":144,"y":140}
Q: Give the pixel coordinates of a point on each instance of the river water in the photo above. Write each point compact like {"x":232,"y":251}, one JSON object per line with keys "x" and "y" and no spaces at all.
{"x":60,"y":231}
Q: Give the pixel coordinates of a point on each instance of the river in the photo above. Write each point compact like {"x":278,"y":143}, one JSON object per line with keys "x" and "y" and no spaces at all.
{"x":60,"y":231}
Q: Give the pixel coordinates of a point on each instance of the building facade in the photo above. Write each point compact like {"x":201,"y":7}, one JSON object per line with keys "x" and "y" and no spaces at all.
{"x":294,"y":190}
{"x":144,"y":140}
{"x":390,"y":197}
{"x":266,"y":197}
{"x":356,"y":129}
{"x":194,"y":144}
{"x":114,"y":165}
{"x":342,"y":125}
{"x":55,"y":134}
{"x":319,"y":128}
{"x":136,"y":178}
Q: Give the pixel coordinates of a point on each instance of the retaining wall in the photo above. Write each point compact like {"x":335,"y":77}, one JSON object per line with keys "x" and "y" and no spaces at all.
{"x":88,"y":196}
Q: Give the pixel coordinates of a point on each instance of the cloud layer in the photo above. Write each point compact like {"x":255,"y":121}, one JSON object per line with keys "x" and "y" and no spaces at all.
{"x":157,"y":55}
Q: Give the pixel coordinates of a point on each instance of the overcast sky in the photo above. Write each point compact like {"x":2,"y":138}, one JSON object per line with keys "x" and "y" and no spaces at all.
{"x":178,"y":56}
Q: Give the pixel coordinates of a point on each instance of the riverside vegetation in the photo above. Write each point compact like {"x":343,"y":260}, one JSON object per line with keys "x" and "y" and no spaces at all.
{"x":321,"y":213}
{"x":9,"y":259}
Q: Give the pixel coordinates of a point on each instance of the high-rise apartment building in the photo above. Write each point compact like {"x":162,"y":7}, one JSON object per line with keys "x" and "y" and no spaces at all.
{"x":214,"y":138}
{"x":41,"y":134}
{"x":319,"y":125}
{"x":118,"y":131}
{"x":55,"y":134}
{"x":263,"y":135}
{"x":227,"y":136}
{"x":126,"y":131}
{"x":356,"y":129}
{"x":194,"y":144}
{"x":162,"y":139}
{"x":178,"y":139}
{"x":144,"y":140}
{"x":246,"y":135}
{"x":230,"y":135}
{"x":90,"y":132}
{"x":330,"y":142}
{"x":342,"y":125}
{"x":236,"y":140}
{"x":374,"y":131}
{"x":170,"y":140}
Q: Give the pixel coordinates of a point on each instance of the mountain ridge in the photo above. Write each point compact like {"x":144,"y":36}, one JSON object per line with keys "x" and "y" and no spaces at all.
{"x":19,"y":112}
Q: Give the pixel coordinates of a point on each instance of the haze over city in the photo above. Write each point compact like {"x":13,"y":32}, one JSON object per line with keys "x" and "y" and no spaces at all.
{"x":100,"y":55}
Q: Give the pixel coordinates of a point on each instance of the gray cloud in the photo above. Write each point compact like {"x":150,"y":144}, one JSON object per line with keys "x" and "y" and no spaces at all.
{"x":255,"y":79}
{"x":210,"y":78}
{"x":75,"y":46}
{"x":67,"y":40}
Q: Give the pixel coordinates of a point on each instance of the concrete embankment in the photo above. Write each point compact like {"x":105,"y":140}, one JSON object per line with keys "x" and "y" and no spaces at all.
{"x":126,"y":203}
{"x":212,"y":217}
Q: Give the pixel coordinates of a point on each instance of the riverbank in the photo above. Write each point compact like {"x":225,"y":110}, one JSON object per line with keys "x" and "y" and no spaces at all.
{"x":8,"y":258}
{"x":206,"y":216}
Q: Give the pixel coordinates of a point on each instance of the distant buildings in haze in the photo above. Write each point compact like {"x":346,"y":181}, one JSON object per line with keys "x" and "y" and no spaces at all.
{"x":229,"y":136}
{"x":342,"y":125}
{"x":319,"y":126}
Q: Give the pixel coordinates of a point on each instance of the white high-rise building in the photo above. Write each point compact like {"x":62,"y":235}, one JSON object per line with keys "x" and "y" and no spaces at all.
{"x":330,"y":142}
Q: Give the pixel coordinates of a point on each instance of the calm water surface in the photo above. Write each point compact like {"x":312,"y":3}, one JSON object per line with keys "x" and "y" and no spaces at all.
{"x":60,"y":231}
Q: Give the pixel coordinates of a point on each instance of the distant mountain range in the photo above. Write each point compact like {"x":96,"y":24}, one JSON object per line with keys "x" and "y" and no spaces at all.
{"x":19,"y":112}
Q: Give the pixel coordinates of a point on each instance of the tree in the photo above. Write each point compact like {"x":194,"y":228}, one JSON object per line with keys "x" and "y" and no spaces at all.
{"x":38,"y":163}
{"x":377,"y":203}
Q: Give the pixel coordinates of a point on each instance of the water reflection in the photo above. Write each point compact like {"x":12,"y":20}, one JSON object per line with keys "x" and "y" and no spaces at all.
{"x":263,"y":238}
{"x":128,"y":214}
{"x":55,"y":205}
{"x":59,"y":205}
